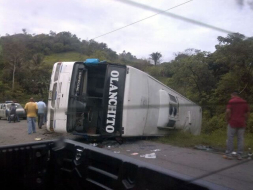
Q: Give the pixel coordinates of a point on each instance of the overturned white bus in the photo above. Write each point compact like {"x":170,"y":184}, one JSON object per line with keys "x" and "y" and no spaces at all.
{"x":111,"y":100}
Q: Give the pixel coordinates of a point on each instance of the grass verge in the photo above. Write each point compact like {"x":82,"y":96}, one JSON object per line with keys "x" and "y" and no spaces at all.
{"x":216,"y":140}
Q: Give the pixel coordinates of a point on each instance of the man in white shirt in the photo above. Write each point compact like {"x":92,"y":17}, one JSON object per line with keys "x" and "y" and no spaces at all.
{"x":41,"y":112}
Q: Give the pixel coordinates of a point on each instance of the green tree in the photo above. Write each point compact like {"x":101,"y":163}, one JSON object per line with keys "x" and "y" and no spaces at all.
{"x":189,"y":75}
{"x":232,"y":65}
{"x":14,"y":54}
{"x":156,"y":56}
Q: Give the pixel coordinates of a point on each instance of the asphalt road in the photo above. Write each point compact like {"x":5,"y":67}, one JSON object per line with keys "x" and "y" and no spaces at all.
{"x":191,"y":162}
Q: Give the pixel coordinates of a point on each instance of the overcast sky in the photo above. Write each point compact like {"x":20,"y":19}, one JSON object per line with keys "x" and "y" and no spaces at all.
{"x":91,"y":18}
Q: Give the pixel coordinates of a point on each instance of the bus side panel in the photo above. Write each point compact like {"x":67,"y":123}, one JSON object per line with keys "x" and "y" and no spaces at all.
{"x":190,"y":116}
{"x":113,"y":100}
{"x":153,"y":111}
{"x":188,"y":119}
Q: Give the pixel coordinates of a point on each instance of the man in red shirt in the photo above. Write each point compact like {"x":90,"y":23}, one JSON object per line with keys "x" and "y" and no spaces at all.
{"x":237,"y":113}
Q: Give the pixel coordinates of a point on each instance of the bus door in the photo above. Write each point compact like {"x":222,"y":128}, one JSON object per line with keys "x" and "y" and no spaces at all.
{"x":173,"y":111}
{"x":168,"y":110}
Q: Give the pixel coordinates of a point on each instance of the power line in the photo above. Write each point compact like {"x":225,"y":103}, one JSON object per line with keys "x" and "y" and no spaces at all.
{"x":142,"y":6}
{"x":164,"y":12}
{"x":159,"y":12}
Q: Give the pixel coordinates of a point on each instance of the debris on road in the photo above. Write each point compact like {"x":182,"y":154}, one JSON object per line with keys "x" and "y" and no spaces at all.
{"x":156,"y":150}
{"x":110,"y":144}
{"x":135,"y":153}
{"x":93,"y":144}
{"x":152,"y":155}
{"x":202,"y":147}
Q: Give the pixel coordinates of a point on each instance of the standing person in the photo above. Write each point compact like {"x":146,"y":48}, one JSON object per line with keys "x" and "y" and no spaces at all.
{"x":12,"y":112}
{"x":14,"y":101}
{"x":31,"y":109}
{"x":41,"y":112}
{"x":237,"y":113}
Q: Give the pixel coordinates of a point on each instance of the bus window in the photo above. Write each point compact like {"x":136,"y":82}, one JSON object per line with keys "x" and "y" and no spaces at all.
{"x":86,"y":98}
{"x":172,"y":98}
{"x":85,"y":78}
{"x":57,"y":71}
{"x":58,"y":98}
{"x":54,"y":95}
{"x":170,"y":109}
{"x":51,"y":120}
{"x":60,"y":84}
{"x":175,"y":111}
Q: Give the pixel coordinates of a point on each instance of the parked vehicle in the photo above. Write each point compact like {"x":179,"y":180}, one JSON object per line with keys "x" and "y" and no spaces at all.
{"x":13,"y":118}
{"x":5,"y":108}
{"x":9,"y":101}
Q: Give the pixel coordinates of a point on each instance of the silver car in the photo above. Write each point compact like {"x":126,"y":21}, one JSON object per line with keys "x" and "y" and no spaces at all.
{"x":5,"y":108}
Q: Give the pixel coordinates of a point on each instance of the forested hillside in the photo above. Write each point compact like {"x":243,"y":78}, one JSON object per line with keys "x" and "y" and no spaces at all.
{"x":206,"y":78}
{"x":26,"y":60}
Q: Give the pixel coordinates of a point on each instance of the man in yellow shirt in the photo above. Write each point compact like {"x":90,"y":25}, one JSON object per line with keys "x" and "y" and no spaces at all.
{"x":31,"y":109}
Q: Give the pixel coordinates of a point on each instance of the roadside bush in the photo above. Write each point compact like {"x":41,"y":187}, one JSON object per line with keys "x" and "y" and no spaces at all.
{"x":209,"y":125}
{"x":154,"y":71}
{"x":212,"y":124}
{"x":249,"y":128}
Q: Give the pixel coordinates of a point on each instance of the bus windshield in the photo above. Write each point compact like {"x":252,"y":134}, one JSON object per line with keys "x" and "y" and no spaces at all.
{"x":85,"y":98}
{"x":95,"y":103}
